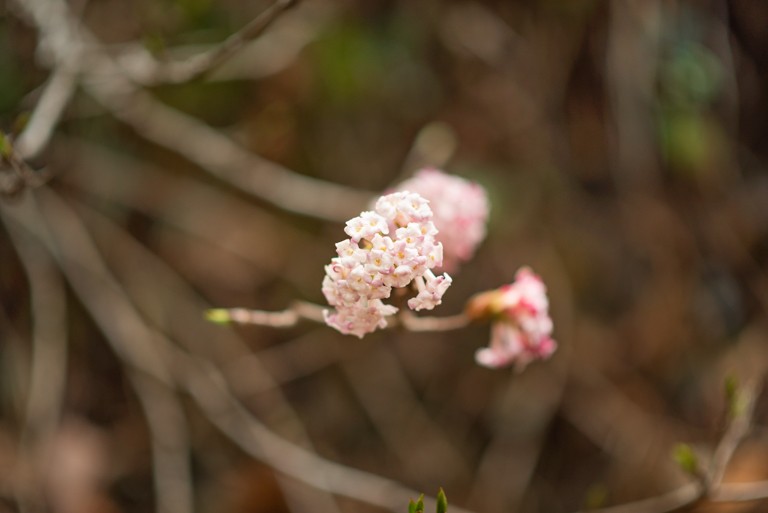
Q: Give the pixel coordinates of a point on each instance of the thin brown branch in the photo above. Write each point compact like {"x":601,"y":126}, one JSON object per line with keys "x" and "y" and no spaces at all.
{"x":383,"y":390}
{"x":208,"y":387}
{"x":740,"y":492}
{"x":194,"y":140}
{"x":46,"y":114}
{"x":738,"y":428}
{"x":170,"y":443}
{"x":205,"y":383}
{"x":60,"y":231}
{"x":201,"y":64}
{"x":222,"y":157}
{"x":671,"y":501}
{"x":186,"y":304}
{"x":710,"y":488}
{"x":49,"y":340}
{"x":415,"y":323}
{"x":268,"y":54}
{"x":47,"y":364}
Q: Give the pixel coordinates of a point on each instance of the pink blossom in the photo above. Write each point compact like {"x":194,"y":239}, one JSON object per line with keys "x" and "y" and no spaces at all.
{"x":431,"y":290}
{"x":460,"y":209}
{"x":391,"y":246}
{"x":521,"y":329}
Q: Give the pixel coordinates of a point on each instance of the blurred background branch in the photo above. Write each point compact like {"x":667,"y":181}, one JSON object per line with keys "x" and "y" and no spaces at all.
{"x":159,"y":158}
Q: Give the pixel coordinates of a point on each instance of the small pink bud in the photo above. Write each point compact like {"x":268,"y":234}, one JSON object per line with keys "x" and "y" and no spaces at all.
{"x":521,"y":326}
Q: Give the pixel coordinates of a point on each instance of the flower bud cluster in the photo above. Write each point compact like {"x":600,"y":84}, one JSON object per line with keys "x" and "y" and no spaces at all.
{"x":521,"y":330}
{"x":460,"y":210}
{"x":391,"y":246}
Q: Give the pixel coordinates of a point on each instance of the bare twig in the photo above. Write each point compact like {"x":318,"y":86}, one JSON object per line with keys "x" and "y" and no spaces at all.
{"x":740,"y":492}
{"x":199,"y":65}
{"x":264,"y":56}
{"x":414,"y":323}
{"x":209,"y":389}
{"x":421,"y":444}
{"x":130,"y":339}
{"x":55,"y":97}
{"x":738,"y":428}
{"x":226,"y":224}
{"x":48,"y":362}
{"x":57,"y":40}
{"x":181,"y":295}
{"x":670,"y":501}
{"x":49,"y":340}
{"x":222,"y":157}
{"x":711,"y":487}
{"x":170,"y":443}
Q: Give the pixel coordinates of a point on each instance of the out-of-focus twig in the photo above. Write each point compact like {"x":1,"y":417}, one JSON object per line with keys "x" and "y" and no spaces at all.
{"x":222,"y":157}
{"x":46,"y":114}
{"x":58,"y":228}
{"x":181,"y":295}
{"x":209,"y":389}
{"x":263,"y":56}
{"x":710,"y":488}
{"x":197,"y":142}
{"x":57,"y":93}
{"x":207,"y":385}
{"x":740,"y":416}
{"x":415,"y":323}
{"x":633,"y":30}
{"x":433,"y":146}
{"x":421,"y":444}
{"x":49,"y":340}
{"x":155,"y":71}
{"x":47,"y":362}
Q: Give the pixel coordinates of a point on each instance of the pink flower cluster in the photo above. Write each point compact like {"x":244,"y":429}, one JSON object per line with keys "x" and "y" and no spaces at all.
{"x":391,"y":246}
{"x":460,"y":212}
{"x":521,"y":330}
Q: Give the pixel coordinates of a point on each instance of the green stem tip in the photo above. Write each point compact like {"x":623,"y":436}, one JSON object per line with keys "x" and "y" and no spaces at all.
{"x":218,"y":316}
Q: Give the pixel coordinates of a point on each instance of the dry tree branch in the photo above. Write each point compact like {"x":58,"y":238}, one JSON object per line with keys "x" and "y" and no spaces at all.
{"x":710,"y":488}
{"x":671,"y":501}
{"x":47,"y":362}
{"x":131,"y":251}
{"x":200,"y":144}
{"x":420,"y":443}
{"x":92,"y":282}
{"x":225,"y":225}
{"x":412,"y":322}
{"x":59,"y":230}
{"x":310,"y":311}
{"x":264,"y":56}
{"x":179,"y":294}
{"x":741,"y":414}
{"x":170,"y":443}
{"x":49,"y":340}
{"x":46,"y":114}
{"x":155,"y":72}
{"x":222,"y":157}
{"x":60,"y":87}
{"x":208,"y":387}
